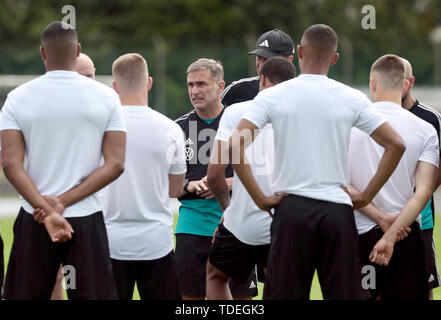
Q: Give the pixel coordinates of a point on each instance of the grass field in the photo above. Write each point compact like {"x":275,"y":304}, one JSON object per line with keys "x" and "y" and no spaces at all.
{"x":6,"y":225}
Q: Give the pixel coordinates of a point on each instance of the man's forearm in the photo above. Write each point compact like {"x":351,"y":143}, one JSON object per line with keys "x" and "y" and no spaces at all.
{"x":220,"y":190}
{"x":438,"y":180}
{"x":93,"y":183}
{"x":373,"y":213}
{"x":370,"y":211}
{"x":24,"y":185}
{"x":409,"y":213}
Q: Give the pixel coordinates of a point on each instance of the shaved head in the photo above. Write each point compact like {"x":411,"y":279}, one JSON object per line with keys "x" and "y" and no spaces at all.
{"x":320,"y":40}
{"x":60,"y":45}
{"x":85,"y":66}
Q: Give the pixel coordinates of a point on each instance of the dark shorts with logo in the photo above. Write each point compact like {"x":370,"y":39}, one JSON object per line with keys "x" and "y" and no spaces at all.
{"x":430,"y":258}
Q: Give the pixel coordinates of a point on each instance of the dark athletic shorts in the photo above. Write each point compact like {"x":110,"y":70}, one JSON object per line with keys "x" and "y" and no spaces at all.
{"x":35,"y":260}
{"x":430,"y":258}
{"x":192,"y":256}
{"x":235,"y":258}
{"x":309,"y":235}
{"x":405,"y":276}
{"x":156,"y":279}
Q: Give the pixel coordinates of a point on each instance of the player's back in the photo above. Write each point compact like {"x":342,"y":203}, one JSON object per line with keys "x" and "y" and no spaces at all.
{"x":141,"y":192}
{"x":63,"y":117}
{"x":312,"y":117}
{"x":364,"y":154}
{"x":136,"y":205}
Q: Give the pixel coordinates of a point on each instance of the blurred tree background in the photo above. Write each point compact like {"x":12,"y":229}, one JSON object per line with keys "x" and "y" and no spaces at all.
{"x":172,"y":34}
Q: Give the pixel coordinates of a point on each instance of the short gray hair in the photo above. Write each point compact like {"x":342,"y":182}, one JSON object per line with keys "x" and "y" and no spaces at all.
{"x":215,"y":67}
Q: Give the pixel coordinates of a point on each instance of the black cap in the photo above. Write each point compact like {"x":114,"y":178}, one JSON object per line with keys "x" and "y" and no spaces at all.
{"x":274,"y":43}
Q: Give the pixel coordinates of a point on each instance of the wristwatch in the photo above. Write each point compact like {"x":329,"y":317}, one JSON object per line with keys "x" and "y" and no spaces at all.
{"x":186,"y":185}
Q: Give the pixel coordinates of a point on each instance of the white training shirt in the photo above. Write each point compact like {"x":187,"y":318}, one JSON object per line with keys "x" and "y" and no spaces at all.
{"x":242,"y":217}
{"x":364,"y":156}
{"x":63,"y":117}
{"x":137,"y":211}
{"x":312,"y":117}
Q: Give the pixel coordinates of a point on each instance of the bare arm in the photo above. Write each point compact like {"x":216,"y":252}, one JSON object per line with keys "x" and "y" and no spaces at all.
{"x":438,"y":179}
{"x":13,"y":149}
{"x":383,"y":220}
{"x":176,"y":183}
{"x":216,"y":173}
{"x":241,"y":138}
{"x":114,"y":145}
{"x":394,"y":148}
{"x":425,"y":177}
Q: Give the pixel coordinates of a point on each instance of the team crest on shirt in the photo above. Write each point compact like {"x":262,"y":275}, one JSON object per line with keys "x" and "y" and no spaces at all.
{"x":189,"y":153}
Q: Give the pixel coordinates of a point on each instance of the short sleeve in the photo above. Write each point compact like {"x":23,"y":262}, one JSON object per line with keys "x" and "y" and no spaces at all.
{"x":116,"y":120}
{"x":258,"y":113}
{"x":9,"y":118}
{"x":430,"y":151}
{"x":225,"y":129}
{"x":368,"y":120}
{"x":177,"y":159}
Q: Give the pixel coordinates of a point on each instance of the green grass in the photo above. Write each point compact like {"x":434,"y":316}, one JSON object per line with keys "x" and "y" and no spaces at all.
{"x":6,"y":225}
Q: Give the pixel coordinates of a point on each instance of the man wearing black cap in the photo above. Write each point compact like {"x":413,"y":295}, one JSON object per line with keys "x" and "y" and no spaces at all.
{"x":270,"y":44}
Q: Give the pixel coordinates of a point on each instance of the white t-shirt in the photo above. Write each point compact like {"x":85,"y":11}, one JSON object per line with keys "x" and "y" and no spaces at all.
{"x":63,"y":117}
{"x":137,"y":211}
{"x":312,"y":117}
{"x":364,"y":156}
{"x":243,"y":218}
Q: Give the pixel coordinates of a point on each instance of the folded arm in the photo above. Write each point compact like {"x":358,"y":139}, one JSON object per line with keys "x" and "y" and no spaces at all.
{"x":425,"y":177}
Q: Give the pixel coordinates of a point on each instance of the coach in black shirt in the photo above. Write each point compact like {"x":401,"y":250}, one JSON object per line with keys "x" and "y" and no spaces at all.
{"x":270,"y":44}
{"x":200,"y":213}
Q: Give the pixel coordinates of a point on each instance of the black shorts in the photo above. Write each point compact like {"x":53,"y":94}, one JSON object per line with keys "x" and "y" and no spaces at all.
{"x":35,"y":260}
{"x":235,"y":258}
{"x":430,"y":258}
{"x":156,"y":279}
{"x":309,"y":234}
{"x":405,"y":276}
{"x":192,"y":256}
